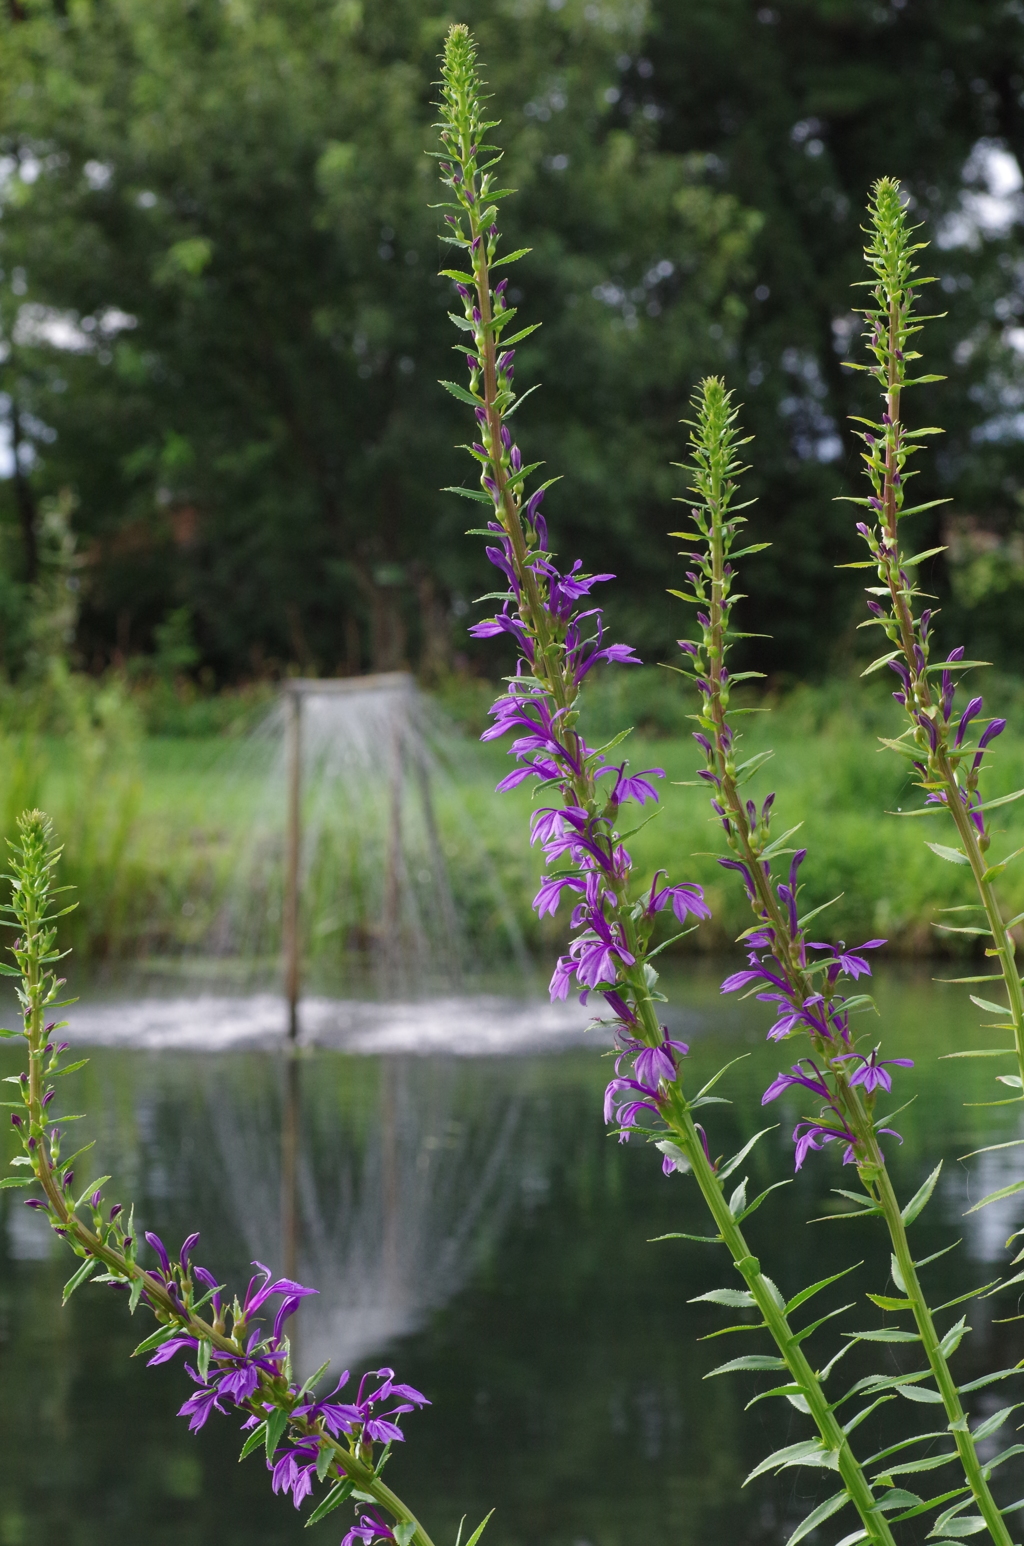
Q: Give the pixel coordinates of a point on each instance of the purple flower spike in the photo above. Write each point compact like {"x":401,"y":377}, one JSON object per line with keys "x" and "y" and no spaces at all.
{"x":973,"y":708}
{"x":187,"y":1248}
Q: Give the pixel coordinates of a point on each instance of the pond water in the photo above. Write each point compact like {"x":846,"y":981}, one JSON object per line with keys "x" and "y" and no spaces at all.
{"x":468,"y":1221}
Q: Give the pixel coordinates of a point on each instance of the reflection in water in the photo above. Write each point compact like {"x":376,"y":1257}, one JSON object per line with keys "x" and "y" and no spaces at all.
{"x":469,"y":1221}
{"x":388,"y":1229}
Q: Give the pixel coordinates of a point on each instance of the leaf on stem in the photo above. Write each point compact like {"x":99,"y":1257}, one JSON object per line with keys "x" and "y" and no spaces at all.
{"x":808,"y":1293}
{"x":921,"y":1197}
{"x":334,"y":1498}
{"x":807,"y":1452}
{"x":85,"y":1271}
{"x":819,"y":1515}
{"x":951,"y":855}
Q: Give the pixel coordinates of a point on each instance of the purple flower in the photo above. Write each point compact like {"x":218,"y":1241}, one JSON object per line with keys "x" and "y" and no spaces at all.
{"x":295,"y":1470}
{"x":973,"y":708}
{"x":627,"y":1113}
{"x":814,"y":1135}
{"x":846,"y":960}
{"x":199,"y":1407}
{"x":367,"y":1529}
{"x":686,"y":900}
{"x":257,"y":1294}
{"x":872,"y":1074}
{"x":359,"y":1418}
{"x":814,"y":1082}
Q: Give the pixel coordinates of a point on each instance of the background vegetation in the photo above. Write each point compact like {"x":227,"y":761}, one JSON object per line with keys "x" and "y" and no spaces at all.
{"x":221,"y":327}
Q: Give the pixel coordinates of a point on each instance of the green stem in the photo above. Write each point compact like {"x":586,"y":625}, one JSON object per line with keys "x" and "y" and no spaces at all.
{"x":747,"y":1265}
{"x":271,"y":1392}
{"x":944,"y":1381}
{"x":870,"y":1158}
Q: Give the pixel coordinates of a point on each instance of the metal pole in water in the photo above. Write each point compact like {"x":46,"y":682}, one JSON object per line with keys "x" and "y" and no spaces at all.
{"x":292,"y":857}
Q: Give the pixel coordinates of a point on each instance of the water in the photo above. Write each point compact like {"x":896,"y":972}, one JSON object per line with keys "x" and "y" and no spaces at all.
{"x":468,"y":1220}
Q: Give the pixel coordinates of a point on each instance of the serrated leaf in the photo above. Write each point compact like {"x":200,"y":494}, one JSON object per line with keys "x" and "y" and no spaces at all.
{"x":885,"y":1303}
{"x":994,"y":1423}
{"x":404,"y":1532}
{"x":808,"y":1293}
{"x":255,"y":1439}
{"x":752,"y":1207}
{"x":954,"y":1336}
{"x":883,"y":1334}
{"x":951,"y":855}
{"x":735,"y":1298}
{"x":472,"y":493}
{"x":9,"y":1181}
{"x":337,"y":1495}
{"x":909,"y":1467}
{"x":203,"y":1359}
{"x":479,"y":1530}
{"x":921,"y":1197}
{"x":818,"y":1516}
{"x":85,"y":1271}
{"x":277,"y":1422}
{"x":752,"y":1361}
{"x":807,"y":1452}
{"x":1004,"y":1191}
{"x":737,"y":1159}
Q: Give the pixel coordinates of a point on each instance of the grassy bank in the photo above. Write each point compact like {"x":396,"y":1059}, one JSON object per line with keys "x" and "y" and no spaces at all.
{"x":160,"y":828}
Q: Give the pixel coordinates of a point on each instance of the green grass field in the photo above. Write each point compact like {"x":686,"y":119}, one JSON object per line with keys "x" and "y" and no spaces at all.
{"x":156,"y":826}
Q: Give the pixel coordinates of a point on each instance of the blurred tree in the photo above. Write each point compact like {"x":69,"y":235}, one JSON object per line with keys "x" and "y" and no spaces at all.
{"x":221,"y":324}
{"x":799,"y":106}
{"x":216,"y":224}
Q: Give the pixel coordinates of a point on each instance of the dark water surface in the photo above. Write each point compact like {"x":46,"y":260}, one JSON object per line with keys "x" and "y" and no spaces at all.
{"x":468,"y":1220}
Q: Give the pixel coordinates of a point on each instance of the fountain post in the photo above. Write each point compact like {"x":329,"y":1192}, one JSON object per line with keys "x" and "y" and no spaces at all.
{"x":293,"y":698}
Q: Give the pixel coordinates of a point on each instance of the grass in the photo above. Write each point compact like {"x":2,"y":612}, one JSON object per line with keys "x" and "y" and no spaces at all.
{"x":161,"y":831}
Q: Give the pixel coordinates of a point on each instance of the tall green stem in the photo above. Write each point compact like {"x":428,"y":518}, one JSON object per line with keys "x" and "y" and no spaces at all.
{"x":787,"y":951}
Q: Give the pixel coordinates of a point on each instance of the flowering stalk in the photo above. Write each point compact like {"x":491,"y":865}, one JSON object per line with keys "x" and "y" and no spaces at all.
{"x":557,"y":645}
{"x":808,"y":991}
{"x":938,"y":741}
{"x":235,"y":1360}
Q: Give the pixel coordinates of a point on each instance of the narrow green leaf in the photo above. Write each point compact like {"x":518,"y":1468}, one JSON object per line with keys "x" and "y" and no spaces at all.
{"x":818,"y":1516}
{"x":735,"y":1298}
{"x":277,"y":1422}
{"x":952,"y":855}
{"x":479,"y":1530}
{"x":1004,"y":1191}
{"x":9,"y":1181}
{"x":883,"y":660}
{"x":988,"y":1379}
{"x":752,"y":1361}
{"x":203,"y":1359}
{"x":478,"y":494}
{"x":86,"y":1270}
{"x":995,"y":1422}
{"x":513,"y":257}
{"x":883,"y":1334}
{"x":954,"y":1336}
{"x":334,"y":1498}
{"x":752,"y":1207}
{"x":255,"y":1439}
{"x":908,"y":1467}
{"x":730,"y":1165}
{"x":807,"y":1452}
{"x":921,"y":1197}
{"x":815,"y":1288}
{"x":678,"y":1235}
